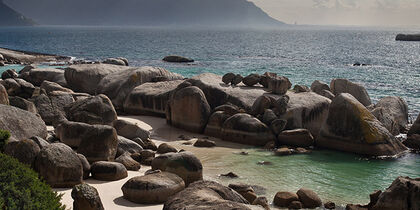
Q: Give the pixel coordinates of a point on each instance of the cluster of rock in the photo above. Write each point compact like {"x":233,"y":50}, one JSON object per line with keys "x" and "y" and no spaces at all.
{"x":303,"y":198}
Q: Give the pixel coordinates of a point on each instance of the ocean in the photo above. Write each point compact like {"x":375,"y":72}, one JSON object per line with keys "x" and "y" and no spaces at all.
{"x":303,"y":54}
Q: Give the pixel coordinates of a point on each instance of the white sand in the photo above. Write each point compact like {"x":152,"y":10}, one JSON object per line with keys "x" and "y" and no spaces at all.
{"x":110,"y":192}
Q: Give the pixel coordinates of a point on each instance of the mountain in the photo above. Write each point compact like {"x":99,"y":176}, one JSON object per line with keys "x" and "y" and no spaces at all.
{"x":239,"y":13}
{"x":9,"y":17}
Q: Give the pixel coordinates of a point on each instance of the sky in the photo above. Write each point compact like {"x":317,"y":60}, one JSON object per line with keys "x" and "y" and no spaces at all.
{"x":344,"y":12}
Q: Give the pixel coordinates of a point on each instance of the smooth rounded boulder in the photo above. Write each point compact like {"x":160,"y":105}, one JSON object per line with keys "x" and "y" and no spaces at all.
{"x":99,"y":143}
{"x":184,"y":164}
{"x":279,"y":85}
{"x":189,"y":109}
{"x":296,"y":138}
{"x":350,"y":127}
{"x":86,"y":197}
{"x":203,"y":195}
{"x":93,"y":110}
{"x":59,"y":166}
{"x":21,"y":124}
{"x":357,"y":91}
{"x":130,"y":130}
{"x":283,"y":199}
{"x":245,"y":129}
{"x":318,"y":87}
{"x":309,"y":198}
{"x":177,"y":59}
{"x":129,"y":163}
{"x":153,"y":188}
{"x":108,"y":171}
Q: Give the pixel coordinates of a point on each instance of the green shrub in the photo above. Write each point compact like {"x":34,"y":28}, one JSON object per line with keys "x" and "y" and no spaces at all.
{"x":4,"y":137}
{"x":20,"y":187}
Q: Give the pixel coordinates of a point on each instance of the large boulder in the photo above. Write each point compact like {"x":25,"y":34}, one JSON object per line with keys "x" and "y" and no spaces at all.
{"x":203,"y":195}
{"x":189,"y":109}
{"x":153,"y":188}
{"x":92,"y":110}
{"x":246,"y":129}
{"x":296,"y":138}
{"x":108,"y":171}
{"x":71,"y":133}
{"x":99,"y":143}
{"x":415,"y":128}
{"x":127,"y":145}
{"x":397,"y":108}
{"x":52,"y":86}
{"x":150,"y":98}
{"x":283,"y":199}
{"x":59,"y":166}
{"x":18,"y":87}
{"x":86,"y":77}
{"x":118,"y":85}
{"x":358,"y":91}
{"x":22,"y":103}
{"x":21,"y":124}
{"x":184,"y":164}
{"x":37,"y":76}
{"x":309,"y":198}
{"x":403,"y":194}
{"x":4,"y":96}
{"x":279,"y":85}
{"x":10,"y":73}
{"x":318,"y":87}
{"x":215,"y":124}
{"x":177,"y":59}
{"x":24,"y":150}
{"x":387,"y":120}
{"x":351,"y":127}
{"x":130,"y":130}
{"x":86,"y":197}
{"x":52,"y":107}
{"x":413,"y":142}
{"x":128,"y":162}
{"x":306,"y":110}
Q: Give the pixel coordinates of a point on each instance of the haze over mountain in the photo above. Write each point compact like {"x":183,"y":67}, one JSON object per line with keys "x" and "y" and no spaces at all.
{"x":9,"y":17}
{"x":240,"y":13}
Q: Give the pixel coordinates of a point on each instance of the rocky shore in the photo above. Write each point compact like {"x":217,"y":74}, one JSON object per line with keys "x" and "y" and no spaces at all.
{"x":67,"y":125}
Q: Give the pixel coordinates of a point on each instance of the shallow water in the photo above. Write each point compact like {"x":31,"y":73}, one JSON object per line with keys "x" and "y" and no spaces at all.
{"x":339,"y":177}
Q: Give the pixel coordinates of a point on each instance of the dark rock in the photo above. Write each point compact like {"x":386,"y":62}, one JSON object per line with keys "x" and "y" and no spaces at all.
{"x":115,"y":61}
{"x":165,"y":148}
{"x":189,"y":109}
{"x":301,"y":150}
{"x":21,"y":124}
{"x":413,"y":142}
{"x":59,"y":166}
{"x":24,"y":150}
{"x":262,"y":201}
{"x":327,"y":94}
{"x":309,"y":198}
{"x":351,"y":127}
{"x":415,"y":128}
{"x":374,"y":198}
{"x":295,"y":205}
{"x":301,"y":88}
{"x":52,"y":86}
{"x":407,"y":37}
{"x":251,"y":79}
{"x":279,"y":85}
{"x":39,"y":141}
{"x":93,"y":110}
{"x":260,"y":105}
{"x":269,"y":116}
{"x":278,"y":125}
{"x":284,"y":151}
{"x":329,"y":205}
{"x":22,"y":103}
{"x":108,"y":171}
{"x":85,"y":165}
{"x":86,"y":197}
{"x":228,"y":109}
{"x":71,"y":133}
{"x":297,"y":138}
{"x":52,"y":107}
{"x":127,"y":145}
{"x":237,"y":79}
{"x":204,"y":143}
{"x":4,"y":96}
{"x":357,"y":91}
{"x":228,"y":78}
{"x":283,"y":199}
{"x":318,"y":87}
{"x":281,"y":104}
{"x":230,"y":175}
{"x":99,"y":143}
{"x":198,"y":195}
{"x":153,"y":188}
{"x":184,"y":164}
{"x":264,"y":163}
{"x":10,"y":73}
{"x":146,"y":144}
{"x":129,"y":163}
{"x":37,"y":76}
{"x":266,"y":77}
{"x":130,"y":130}
{"x":387,"y":120}
{"x":397,"y":108}
{"x":177,"y":59}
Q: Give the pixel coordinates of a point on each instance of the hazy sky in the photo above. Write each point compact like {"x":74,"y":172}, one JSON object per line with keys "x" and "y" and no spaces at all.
{"x":344,"y":12}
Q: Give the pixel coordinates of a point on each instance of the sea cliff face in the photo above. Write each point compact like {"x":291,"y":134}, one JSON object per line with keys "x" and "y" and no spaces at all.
{"x":10,"y":17}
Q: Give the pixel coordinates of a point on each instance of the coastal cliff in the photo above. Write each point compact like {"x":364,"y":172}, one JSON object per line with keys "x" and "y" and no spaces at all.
{"x":10,"y":17}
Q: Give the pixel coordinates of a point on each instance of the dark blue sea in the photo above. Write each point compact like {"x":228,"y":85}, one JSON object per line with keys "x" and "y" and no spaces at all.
{"x":303,"y":54}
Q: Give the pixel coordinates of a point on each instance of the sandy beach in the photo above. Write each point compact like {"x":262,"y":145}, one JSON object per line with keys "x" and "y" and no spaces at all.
{"x":110,"y":192}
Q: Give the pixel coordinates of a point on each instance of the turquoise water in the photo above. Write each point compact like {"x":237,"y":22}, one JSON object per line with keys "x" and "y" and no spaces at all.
{"x":302,"y":54}
{"x":339,"y":177}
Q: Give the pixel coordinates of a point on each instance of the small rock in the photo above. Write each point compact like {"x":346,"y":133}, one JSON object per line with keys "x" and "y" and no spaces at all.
{"x":244,"y":153}
{"x":301,"y":88}
{"x":128,"y":162}
{"x":184,"y":137}
{"x":230,"y":175}
{"x":228,"y":78}
{"x":329,"y":205}
{"x":150,"y":171}
{"x":301,"y":150}
{"x":278,"y":125}
{"x":251,"y":80}
{"x":279,"y":85}
{"x":295,"y":205}
{"x":270,"y":145}
{"x":284,"y":151}
{"x":250,"y":196}
{"x":177,"y":59}
{"x":237,"y":79}
{"x":204,"y":143}
{"x":86,"y":197}
{"x":284,"y":199}
{"x":10,"y":73}
{"x":108,"y":171}
{"x":165,"y":148}
{"x":264,"y":163}
{"x":262,"y":201}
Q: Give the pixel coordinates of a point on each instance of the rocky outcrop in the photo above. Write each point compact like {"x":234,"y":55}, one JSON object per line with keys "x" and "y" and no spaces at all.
{"x":108,"y":171}
{"x":153,"y":188}
{"x":245,"y":129}
{"x":203,"y":195}
{"x":344,"y":86}
{"x":37,"y":75}
{"x":86,"y":77}
{"x":184,"y":164}
{"x":318,"y":87}
{"x":86,"y":197}
{"x":99,"y":143}
{"x":18,"y":87}
{"x":59,"y":166}
{"x":150,"y":98}
{"x":130,"y":130}
{"x":397,"y":109}
{"x":189,"y":109}
{"x":306,"y":110}
{"x":177,"y":59}
{"x":92,"y":110}
{"x":407,"y":37}
{"x":118,"y":85}
{"x":21,"y":124}
{"x":351,"y":127}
